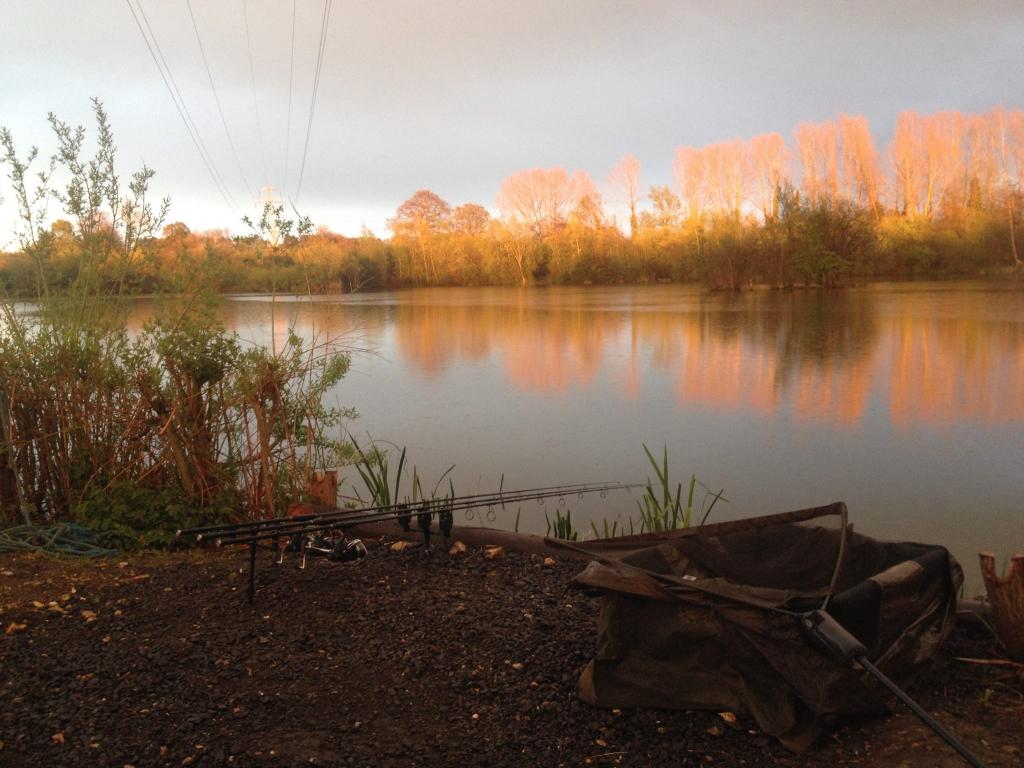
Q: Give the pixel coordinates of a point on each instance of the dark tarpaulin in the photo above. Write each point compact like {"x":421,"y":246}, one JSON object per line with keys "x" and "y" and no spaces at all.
{"x":695,"y":619}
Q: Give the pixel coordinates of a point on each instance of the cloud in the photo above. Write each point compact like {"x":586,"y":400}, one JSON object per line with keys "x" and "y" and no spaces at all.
{"x":453,"y":95}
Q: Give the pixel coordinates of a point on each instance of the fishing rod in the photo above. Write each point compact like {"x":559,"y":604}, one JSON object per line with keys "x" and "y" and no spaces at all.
{"x":203,"y":531}
{"x":309,"y":534}
{"x":478,"y":500}
{"x":833,"y":638}
{"x":403,"y":513}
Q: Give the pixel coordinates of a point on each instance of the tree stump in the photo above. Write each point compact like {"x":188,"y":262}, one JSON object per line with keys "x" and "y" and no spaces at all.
{"x":323,"y":488}
{"x":1006,"y":598}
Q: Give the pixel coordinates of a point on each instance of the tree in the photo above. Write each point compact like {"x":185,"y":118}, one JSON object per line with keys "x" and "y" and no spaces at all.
{"x":516,"y":245}
{"x":419,"y":219}
{"x":109,"y":218}
{"x":725,"y":163}
{"x":668,"y":208}
{"x":1007,"y":131}
{"x":691,"y":174}
{"x":768,"y":156}
{"x":713,"y":178}
{"x":818,"y":150}
{"x":904,"y":153}
{"x":588,"y":211}
{"x":860,"y":162}
{"x":470,"y":219}
{"x":829,"y":238}
{"x":625,"y":177}
{"x":543,"y":198}
{"x":424,"y":208}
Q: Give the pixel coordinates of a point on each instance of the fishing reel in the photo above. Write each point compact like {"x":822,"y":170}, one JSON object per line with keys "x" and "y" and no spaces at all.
{"x":404,"y":517}
{"x":331,"y":545}
{"x":423,"y":522}
{"x":445,"y":520}
{"x":424,"y":514}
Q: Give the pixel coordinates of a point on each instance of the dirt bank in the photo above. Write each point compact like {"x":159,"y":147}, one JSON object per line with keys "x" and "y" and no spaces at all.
{"x":402,"y":659}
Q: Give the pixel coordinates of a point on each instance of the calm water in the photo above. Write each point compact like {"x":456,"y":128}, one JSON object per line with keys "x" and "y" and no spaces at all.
{"x":904,"y":400}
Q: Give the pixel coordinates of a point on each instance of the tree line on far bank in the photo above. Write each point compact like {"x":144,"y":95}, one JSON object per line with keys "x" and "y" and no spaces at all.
{"x":944,"y":199}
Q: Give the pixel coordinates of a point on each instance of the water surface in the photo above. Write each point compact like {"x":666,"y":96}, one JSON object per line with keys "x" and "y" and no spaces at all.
{"x":904,"y":400}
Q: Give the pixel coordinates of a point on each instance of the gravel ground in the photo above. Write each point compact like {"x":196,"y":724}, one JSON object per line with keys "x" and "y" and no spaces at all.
{"x":402,"y":659}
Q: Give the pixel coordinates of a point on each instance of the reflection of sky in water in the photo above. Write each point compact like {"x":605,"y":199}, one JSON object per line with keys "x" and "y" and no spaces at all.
{"x":907,"y":400}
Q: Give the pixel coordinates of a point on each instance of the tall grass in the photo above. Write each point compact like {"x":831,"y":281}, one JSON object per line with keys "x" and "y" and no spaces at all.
{"x":661,"y":508}
{"x":374,"y":468}
{"x":561,"y":527}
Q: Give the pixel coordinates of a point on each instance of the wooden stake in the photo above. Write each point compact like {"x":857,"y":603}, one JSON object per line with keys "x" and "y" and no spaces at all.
{"x":1006,"y":598}
{"x":323,"y":488}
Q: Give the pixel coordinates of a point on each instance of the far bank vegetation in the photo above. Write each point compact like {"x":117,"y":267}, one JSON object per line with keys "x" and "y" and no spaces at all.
{"x":826,"y":208}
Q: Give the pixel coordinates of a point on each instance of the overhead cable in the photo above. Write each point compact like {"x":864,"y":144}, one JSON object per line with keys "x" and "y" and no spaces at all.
{"x":216,"y":98}
{"x":179,"y":103}
{"x":316,"y":87}
{"x":252,"y":79}
{"x":291,"y":74}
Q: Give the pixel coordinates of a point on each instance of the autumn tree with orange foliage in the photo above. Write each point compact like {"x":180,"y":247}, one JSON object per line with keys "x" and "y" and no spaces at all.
{"x":944,"y":197}
{"x":625,"y":179}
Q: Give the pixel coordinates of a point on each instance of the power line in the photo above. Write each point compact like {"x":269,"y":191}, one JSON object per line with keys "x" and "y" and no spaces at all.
{"x":185,"y":109}
{"x":180,"y":106}
{"x":216,"y":98}
{"x":288,"y":128}
{"x":316,"y":88}
{"x":252,"y":78}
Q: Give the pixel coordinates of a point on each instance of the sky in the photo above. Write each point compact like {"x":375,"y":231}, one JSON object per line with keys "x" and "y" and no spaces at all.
{"x":454,"y":95}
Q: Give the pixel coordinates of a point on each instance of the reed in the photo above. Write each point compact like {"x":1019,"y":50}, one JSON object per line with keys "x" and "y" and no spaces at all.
{"x":661,"y":509}
{"x":561,"y":527}
{"x":374,"y":468}
{"x":606,"y":531}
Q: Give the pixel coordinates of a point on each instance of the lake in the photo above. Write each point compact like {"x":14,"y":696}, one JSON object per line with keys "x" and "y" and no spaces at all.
{"x":904,"y":400}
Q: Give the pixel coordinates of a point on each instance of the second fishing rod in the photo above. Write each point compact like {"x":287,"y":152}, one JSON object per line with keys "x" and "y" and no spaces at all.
{"x":497,"y":498}
{"x":430,"y":508}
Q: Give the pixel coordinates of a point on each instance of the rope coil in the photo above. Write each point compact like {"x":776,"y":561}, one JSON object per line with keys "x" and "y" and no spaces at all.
{"x":62,"y":539}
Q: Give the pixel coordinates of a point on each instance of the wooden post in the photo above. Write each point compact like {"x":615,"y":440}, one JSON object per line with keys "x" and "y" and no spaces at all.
{"x":1006,"y":598}
{"x":323,"y":488}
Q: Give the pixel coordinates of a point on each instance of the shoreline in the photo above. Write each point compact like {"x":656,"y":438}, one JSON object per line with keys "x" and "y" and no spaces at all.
{"x":1009,"y":279}
{"x":401,"y":659}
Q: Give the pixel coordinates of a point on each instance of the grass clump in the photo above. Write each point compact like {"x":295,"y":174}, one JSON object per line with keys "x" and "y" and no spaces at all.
{"x":661,"y":509}
{"x":561,"y":527}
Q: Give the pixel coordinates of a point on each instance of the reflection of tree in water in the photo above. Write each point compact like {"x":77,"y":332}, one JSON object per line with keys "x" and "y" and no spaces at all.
{"x":542,"y":346}
{"x":821,"y":354}
{"x":760,"y":349}
{"x":827,"y":354}
{"x":802,"y":328}
{"x":965,"y":362}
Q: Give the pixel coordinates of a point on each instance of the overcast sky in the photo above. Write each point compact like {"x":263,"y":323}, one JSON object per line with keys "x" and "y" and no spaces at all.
{"x":454,"y":96}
